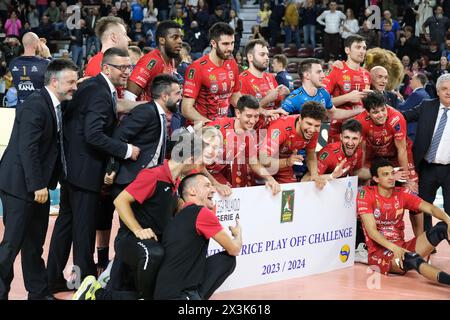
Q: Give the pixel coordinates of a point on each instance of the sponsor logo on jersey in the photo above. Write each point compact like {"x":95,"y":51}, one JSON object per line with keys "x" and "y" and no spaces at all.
{"x":203,"y":62}
{"x":323,"y":156}
{"x":275,"y":134}
{"x":362,"y":194}
{"x":347,"y":86}
{"x":26,"y":86}
{"x":394,"y":120}
{"x":231,"y":75}
{"x":214,"y":88}
{"x":227,"y":126}
{"x":151,"y":64}
{"x":212,"y":77}
{"x":376,"y":213}
{"x":191,"y":74}
{"x":15,"y":68}
{"x":34,"y":69}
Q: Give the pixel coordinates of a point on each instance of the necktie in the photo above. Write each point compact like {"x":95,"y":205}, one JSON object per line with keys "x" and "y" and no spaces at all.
{"x":61,"y":138}
{"x":431,"y":155}
{"x":162,"y":155}
{"x":114,"y":101}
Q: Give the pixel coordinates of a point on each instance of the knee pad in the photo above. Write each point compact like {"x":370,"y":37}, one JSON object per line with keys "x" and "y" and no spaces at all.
{"x":437,"y":233}
{"x":412,"y":261}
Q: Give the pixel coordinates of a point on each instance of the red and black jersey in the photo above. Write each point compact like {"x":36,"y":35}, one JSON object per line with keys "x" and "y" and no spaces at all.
{"x":147,"y":68}
{"x":282,"y":140}
{"x":342,"y":81}
{"x":332,"y":154}
{"x":258,"y":87}
{"x":156,"y":195}
{"x":211,"y":86}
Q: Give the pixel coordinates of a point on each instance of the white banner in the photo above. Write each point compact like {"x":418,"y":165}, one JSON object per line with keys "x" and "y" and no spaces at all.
{"x":299,"y":232}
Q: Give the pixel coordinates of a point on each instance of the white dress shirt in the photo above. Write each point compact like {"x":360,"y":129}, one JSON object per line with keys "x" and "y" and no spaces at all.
{"x":443,"y":151}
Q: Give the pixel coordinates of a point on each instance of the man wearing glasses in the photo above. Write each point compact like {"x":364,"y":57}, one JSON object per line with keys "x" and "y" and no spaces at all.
{"x":90,"y":121}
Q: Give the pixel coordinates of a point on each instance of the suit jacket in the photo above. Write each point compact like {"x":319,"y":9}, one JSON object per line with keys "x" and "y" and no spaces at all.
{"x":391,"y":99}
{"x":89,"y":123}
{"x":414,"y":99}
{"x":426,"y":115}
{"x":32,"y":159}
{"x":142,"y":128}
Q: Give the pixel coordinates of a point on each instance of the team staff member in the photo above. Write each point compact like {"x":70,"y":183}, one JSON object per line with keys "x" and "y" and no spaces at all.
{"x":349,"y":85}
{"x":145,"y":207}
{"x":160,"y":60}
{"x":258,"y":83}
{"x":29,"y":69}
{"x":90,"y":121}
{"x":32,"y":164}
{"x":381,"y":208}
{"x":186,"y":272}
{"x":287,"y":135}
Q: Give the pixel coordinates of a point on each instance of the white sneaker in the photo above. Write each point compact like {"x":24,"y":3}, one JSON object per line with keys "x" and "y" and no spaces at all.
{"x":104,"y":277}
{"x":361,"y":254}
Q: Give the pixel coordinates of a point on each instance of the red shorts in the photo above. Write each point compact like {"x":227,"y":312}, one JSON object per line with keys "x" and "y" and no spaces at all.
{"x":381,"y":257}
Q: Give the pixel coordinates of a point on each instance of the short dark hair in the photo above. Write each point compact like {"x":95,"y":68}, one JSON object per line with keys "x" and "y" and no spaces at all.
{"x":114,"y":52}
{"x":352,"y":125}
{"x":249,"y":48}
{"x":56,"y":66}
{"x":422,"y":78}
{"x":135,"y":49}
{"x":218,"y":29}
{"x":186,"y":180}
{"x":163,"y":29}
{"x":409,"y":29}
{"x":353,"y":38}
{"x":378,"y":163}
{"x":162,"y":83}
{"x":281,"y":58}
{"x":105,"y":22}
{"x":314,"y":110}
{"x":247,"y":101}
{"x":305,"y":66}
{"x":373,"y":100}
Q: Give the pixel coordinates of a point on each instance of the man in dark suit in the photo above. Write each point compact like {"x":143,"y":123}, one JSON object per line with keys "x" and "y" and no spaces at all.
{"x":32,"y":164}
{"x":90,"y":121}
{"x":419,"y":94}
{"x":146,"y":127}
{"x":432,"y":145}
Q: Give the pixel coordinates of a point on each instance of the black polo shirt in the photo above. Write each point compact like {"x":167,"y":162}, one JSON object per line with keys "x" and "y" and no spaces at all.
{"x":156,"y":198}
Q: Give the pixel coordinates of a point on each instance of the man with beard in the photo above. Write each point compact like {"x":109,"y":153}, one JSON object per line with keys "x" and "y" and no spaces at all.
{"x":258,"y":83}
{"x":32,"y":164}
{"x":90,"y":121}
{"x":343,"y":158}
{"x":349,"y":85}
{"x":287,"y":135}
{"x":211,"y":82}
{"x":160,"y":60}
{"x":384,"y":135}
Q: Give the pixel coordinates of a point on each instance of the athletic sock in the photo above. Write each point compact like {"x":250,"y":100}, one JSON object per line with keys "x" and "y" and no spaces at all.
{"x":443,"y":278}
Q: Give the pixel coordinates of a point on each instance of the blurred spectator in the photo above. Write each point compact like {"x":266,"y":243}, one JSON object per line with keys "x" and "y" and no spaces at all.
{"x":91,"y":39}
{"x":11,"y":98}
{"x":217,"y":16}
{"x":409,"y":18}
{"x":138,"y":35}
{"x":275,"y":22}
{"x":202,"y":15}
{"x":438,"y":25}
{"x":11,"y":48}
{"x":150,"y":19}
{"x":105,"y":8}
{"x":163,"y":9}
{"x":180,"y":18}
{"x":387,"y":40}
{"x":76,"y":44}
{"x":256,"y":33}
{"x":308,"y":14}
{"x":41,"y":5}
{"x":331,"y":19}
{"x":185,"y":58}
{"x":45,"y":29}
{"x":394,"y":23}
{"x":279,"y":64}
{"x":4,"y":4}
{"x":125,"y":12}
{"x":13,"y":25}
{"x":369,"y":34}
{"x":443,"y":68}
{"x":263,"y":19}
{"x":291,"y":24}
{"x":135,"y":54}
{"x":350,"y":24}
{"x":424,"y":11}
{"x":137,"y":11}
{"x":240,"y":61}
{"x":65,"y":54}
{"x":446,"y":52}
{"x":26,"y":28}
{"x":33,"y":18}
{"x":237,"y":25}
{"x":433,"y":53}
{"x":408,"y":44}
{"x":198,"y":40}
{"x":53,"y":12}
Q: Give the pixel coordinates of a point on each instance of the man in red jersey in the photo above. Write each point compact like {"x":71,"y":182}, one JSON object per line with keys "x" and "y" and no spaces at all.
{"x":239,"y":159}
{"x":349,"y":85}
{"x":112,"y":33}
{"x":212,"y":82}
{"x":159,"y":60}
{"x":258,"y":83}
{"x":343,"y":157}
{"x":384,"y":135}
{"x":287,"y":135}
{"x":381,"y":208}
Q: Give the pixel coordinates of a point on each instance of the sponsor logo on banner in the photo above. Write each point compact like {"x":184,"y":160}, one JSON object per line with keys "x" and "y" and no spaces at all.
{"x":287,"y":205}
{"x":349,"y":195}
{"x":344,"y":253}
